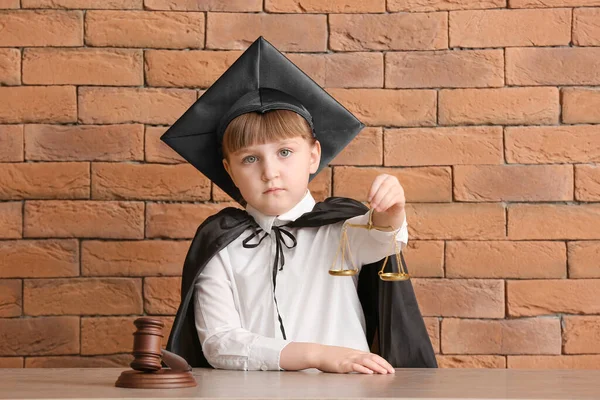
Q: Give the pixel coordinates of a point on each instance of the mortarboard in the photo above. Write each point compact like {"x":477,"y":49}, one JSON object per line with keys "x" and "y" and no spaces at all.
{"x":260,"y":80}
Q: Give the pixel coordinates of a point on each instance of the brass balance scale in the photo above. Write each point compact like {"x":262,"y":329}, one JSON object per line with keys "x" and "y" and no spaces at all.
{"x":401,"y":275}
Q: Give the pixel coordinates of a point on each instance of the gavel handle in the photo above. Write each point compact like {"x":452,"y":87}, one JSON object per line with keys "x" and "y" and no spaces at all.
{"x":174,"y":361}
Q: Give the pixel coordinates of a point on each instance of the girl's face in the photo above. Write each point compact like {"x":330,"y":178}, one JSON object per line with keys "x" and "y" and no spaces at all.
{"x":273,"y":177}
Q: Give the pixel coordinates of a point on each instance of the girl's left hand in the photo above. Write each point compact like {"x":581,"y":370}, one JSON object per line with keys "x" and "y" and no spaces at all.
{"x":387,"y":201}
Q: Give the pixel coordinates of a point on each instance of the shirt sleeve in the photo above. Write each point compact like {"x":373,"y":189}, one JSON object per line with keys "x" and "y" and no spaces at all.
{"x":368,"y":246}
{"x":225,"y":343}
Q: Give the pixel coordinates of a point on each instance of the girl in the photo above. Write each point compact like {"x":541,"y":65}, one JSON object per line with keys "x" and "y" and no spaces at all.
{"x":256,"y":293}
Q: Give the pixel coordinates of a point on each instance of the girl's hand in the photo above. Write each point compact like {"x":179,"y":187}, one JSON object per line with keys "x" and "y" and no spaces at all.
{"x":344,"y":360}
{"x":387,"y":201}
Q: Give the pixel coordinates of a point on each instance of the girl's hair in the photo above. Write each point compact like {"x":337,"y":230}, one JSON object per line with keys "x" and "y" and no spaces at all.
{"x":254,"y":128}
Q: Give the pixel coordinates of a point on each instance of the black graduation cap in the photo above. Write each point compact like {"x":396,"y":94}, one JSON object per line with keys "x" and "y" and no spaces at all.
{"x":261,"y":79}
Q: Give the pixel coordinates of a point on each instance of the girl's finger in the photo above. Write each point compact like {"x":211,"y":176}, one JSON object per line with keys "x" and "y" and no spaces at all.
{"x":376,"y":185}
{"x":383,"y":362}
{"x":392,"y":197}
{"x":380,"y":195}
{"x":362,"y":369}
{"x":374,"y":366}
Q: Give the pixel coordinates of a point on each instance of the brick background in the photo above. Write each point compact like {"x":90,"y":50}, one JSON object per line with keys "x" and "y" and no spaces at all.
{"x":487,"y":111}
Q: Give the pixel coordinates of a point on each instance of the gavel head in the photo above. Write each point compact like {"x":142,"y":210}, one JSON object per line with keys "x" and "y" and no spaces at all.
{"x":147,"y":341}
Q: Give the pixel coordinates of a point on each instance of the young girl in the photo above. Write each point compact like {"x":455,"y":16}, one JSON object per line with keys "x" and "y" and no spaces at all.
{"x":256,"y":292}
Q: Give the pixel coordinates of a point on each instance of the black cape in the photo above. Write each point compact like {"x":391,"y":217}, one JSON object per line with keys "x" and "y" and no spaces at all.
{"x":391,"y":311}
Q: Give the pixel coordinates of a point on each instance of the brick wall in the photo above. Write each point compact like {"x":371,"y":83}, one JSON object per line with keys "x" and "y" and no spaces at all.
{"x":487,"y":111}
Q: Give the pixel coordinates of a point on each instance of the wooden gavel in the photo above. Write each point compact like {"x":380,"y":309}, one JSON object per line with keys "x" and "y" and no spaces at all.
{"x":147,"y":371}
{"x":147,"y":341}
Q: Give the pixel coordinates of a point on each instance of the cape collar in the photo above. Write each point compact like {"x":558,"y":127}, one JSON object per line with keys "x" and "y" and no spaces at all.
{"x":266,"y":222}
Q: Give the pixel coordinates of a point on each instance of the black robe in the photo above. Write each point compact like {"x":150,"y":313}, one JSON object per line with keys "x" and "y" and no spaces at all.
{"x":390,"y":308}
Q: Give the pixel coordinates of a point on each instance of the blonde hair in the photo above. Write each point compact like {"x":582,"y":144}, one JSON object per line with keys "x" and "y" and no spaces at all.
{"x":254,"y":128}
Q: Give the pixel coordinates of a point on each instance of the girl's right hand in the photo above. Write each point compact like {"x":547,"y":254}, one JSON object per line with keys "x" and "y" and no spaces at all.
{"x":344,"y":360}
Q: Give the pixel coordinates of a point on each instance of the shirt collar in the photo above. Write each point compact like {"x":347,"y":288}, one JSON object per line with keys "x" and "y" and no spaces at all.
{"x":266,"y":222}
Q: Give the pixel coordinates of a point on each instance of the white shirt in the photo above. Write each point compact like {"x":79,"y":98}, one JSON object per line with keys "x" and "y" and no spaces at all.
{"x":235,"y":311}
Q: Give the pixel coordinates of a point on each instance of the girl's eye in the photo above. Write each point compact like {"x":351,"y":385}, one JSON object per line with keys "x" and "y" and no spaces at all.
{"x":249,"y":160}
{"x":285,"y":153}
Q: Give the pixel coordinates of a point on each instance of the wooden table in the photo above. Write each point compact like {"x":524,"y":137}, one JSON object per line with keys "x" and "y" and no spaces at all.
{"x":96,"y":383}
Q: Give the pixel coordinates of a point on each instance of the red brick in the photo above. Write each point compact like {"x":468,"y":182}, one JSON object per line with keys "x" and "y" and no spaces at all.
{"x":538,"y":145}
{"x":124,"y":142}
{"x":154,"y":29}
{"x":553,"y":221}
{"x":83,"y":66}
{"x":505,"y":106}
{"x":505,"y":259}
{"x":587,"y":185}
{"x":583,"y":258}
{"x":414,"y":31}
{"x":39,"y":336}
{"x":123,"y":105}
{"x":471,"y":361}
{"x":53,"y":104}
{"x":464,"y":68}
{"x":433,"y":329}
{"x":440,"y":5}
{"x":168,"y":321}
{"x":39,"y":258}
{"x":10,"y":67}
{"x":83,"y":4}
{"x":317,"y":6}
{"x":83,"y":296}
{"x":204,"y":5}
{"x":364,"y":149}
{"x":586,"y":26}
{"x":580,"y":106}
{"x":11,"y":362}
{"x":443,"y":146}
{"x":195,"y":68}
{"x":456,"y":221}
{"x":581,"y":335}
{"x":112,"y":361}
{"x":11,"y":220}
{"x":313,"y":65}
{"x":513,"y":182}
{"x":350,"y":70}
{"x":290,"y":32}
{"x":11,"y":298}
{"x":553,"y":66}
{"x":157,"y":151}
{"x":110,"y":335}
{"x":94,"y":219}
{"x":179,"y":221}
{"x":552,"y":3}
{"x":570,"y":296}
{"x":162,"y":295}
{"x":389,"y":107}
{"x":424,"y":258}
{"x":516,"y":336}
{"x":472,"y":298}
{"x":11,"y":143}
{"x":219,"y":195}
{"x":554,"y":362}
{"x":113,"y":181}
{"x":429,"y":184}
{"x":25,"y":28}
{"x":504,"y":28}
{"x":320,"y":186}
{"x":6,"y":4}
{"x":133,"y":258}
{"x":44,"y":181}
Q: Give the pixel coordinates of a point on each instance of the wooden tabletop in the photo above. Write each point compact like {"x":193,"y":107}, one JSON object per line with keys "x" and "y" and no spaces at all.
{"x":97,"y":383}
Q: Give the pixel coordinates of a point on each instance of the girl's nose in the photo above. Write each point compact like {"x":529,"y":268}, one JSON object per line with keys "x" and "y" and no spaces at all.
{"x":270,"y":170}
